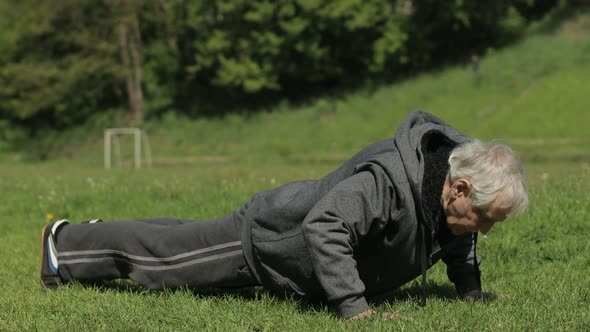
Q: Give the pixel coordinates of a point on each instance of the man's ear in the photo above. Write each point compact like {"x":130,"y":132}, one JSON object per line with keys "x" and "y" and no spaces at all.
{"x":461,"y":188}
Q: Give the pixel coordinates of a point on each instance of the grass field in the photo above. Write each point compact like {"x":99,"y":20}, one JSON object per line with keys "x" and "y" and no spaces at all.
{"x":533,"y":95}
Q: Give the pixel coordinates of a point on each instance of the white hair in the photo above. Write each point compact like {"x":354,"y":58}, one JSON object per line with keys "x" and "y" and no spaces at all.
{"x":494,"y":171}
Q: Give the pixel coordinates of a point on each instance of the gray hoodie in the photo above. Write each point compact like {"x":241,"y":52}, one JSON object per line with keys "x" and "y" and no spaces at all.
{"x":356,"y":231}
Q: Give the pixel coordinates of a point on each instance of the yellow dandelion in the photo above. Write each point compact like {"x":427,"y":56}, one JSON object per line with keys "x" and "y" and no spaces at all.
{"x":49,"y":216}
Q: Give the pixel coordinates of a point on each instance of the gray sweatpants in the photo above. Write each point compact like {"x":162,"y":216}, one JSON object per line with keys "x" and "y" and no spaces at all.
{"x":157,"y":253}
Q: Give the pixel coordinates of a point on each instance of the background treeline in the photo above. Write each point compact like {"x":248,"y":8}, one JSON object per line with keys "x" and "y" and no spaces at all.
{"x":67,"y":62}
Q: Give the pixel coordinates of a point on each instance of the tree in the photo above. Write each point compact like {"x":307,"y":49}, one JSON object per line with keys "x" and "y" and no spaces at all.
{"x":126,"y":17}
{"x":59,"y":65}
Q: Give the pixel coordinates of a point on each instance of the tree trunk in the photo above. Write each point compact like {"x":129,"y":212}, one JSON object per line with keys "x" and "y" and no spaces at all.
{"x":129,"y":43}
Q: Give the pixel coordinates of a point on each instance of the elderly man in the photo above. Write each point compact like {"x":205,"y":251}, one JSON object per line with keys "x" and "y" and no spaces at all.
{"x":378,"y":221}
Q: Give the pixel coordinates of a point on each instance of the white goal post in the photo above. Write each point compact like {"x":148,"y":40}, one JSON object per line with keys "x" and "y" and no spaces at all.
{"x":111,"y":136}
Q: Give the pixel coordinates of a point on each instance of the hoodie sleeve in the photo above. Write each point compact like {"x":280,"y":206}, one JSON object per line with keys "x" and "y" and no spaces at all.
{"x":463,"y":265}
{"x":334,"y":227}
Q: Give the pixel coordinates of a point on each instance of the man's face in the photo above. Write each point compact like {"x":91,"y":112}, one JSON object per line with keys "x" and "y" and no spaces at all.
{"x":462,"y":216}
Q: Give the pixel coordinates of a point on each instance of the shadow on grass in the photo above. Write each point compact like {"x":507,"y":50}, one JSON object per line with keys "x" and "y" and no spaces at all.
{"x":412,"y":293}
{"x":129,"y":286}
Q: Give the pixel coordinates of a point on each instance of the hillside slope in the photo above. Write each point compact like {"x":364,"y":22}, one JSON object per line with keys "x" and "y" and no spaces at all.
{"x":533,"y":95}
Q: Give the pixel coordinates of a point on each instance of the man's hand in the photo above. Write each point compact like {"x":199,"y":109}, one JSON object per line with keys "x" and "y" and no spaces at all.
{"x":476,"y":295}
{"x":372,"y":312}
{"x":367,"y":313}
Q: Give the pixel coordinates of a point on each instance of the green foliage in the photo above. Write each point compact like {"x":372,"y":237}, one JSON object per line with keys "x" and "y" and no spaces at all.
{"x":57,"y":71}
{"x":248,"y":45}
{"x":61,"y":62}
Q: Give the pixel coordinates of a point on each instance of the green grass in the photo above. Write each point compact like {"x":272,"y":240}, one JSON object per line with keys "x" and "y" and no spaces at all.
{"x":533,"y":95}
{"x":540,"y":259}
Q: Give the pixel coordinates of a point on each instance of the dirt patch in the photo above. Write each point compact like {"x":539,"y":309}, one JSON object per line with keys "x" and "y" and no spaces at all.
{"x":578,"y":28}
{"x":175,"y":161}
{"x":191,"y":160}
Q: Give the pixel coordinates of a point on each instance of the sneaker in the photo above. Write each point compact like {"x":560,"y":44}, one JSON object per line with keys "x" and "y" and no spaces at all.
{"x":93,"y":221}
{"x":49,"y":276}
